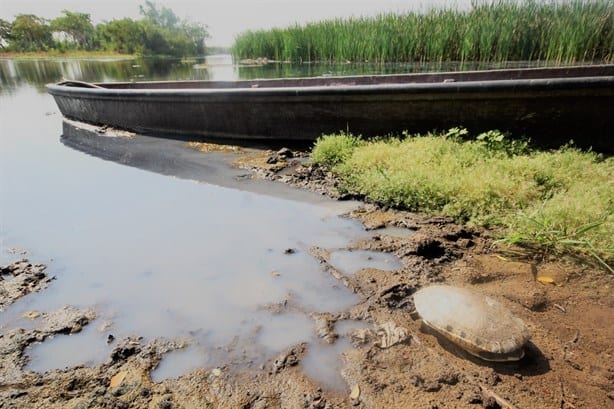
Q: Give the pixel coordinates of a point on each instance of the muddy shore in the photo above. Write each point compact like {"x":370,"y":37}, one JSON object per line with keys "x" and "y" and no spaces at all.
{"x":395,"y":364}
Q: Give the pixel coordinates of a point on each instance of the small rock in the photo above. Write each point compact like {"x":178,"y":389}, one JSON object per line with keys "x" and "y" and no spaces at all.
{"x":166,"y":403}
{"x":285,"y":153}
{"x":279,"y":156}
{"x":492,"y":378}
{"x":289,"y":358}
{"x":491,"y":403}
{"x":32,"y":315}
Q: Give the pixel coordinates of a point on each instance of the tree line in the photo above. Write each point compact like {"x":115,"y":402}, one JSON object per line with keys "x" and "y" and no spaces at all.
{"x":158,"y":32}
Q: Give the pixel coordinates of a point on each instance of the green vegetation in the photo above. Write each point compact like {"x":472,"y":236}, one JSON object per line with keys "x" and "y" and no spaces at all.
{"x":160,"y":32}
{"x":560,"y":201}
{"x":496,"y":31}
{"x":64,"y":54}
{"x":29,"y":33}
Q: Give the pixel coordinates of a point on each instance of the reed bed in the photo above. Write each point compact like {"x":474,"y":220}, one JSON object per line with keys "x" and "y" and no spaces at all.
{"x":491,"y":31}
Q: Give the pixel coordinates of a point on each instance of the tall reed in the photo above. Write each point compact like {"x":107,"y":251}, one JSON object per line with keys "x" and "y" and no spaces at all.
{"x":491,"y":31}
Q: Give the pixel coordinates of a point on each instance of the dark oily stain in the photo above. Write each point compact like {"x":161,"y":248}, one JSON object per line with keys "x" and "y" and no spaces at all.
{"x":173,"y":157}
{"x":125,"y":351}
{"x":458,"y":232}
{"x":430,"y":249}
{"x":397,"y":296}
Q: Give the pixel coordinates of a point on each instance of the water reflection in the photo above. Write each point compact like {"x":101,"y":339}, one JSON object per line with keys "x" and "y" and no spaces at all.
{"x":283,"y":70}
{"x":38,"y":72}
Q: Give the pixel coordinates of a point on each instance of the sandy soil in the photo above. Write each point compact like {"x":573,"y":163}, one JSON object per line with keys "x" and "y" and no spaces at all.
{"x":568,"y":307}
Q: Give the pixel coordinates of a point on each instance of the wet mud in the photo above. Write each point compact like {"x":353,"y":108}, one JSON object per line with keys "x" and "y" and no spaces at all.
{"x":21,"y":278}
{"x":394,"y":362}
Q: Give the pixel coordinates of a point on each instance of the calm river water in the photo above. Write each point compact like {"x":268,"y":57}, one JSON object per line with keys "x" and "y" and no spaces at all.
{"x":157,"y":255}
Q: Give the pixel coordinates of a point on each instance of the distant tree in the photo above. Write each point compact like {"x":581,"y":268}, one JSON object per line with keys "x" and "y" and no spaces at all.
{"x":78,"y":25}
{"x":159,"y":15}
{"x":159,"y":32}
{"x":123,"y":36}
{"x":30,"y":33}
{"x":156,"y":40}
{"x":167,"y":34}
{"x":197,"y":34}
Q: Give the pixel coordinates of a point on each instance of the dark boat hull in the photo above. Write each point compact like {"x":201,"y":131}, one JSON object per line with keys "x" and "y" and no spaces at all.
{"x":551,"y":106}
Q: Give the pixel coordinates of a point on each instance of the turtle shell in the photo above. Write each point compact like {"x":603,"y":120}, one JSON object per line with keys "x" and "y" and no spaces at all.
{"x":479,"y":324}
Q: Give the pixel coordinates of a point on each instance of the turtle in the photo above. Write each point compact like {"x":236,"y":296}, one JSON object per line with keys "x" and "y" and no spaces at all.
{"x":480,"y":325}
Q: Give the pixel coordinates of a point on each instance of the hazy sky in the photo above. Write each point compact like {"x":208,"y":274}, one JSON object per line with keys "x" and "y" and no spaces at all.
{"x":225,"y":18}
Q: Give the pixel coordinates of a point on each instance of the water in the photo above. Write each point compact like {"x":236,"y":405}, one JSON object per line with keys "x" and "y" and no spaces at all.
{"x":351,"y":261}
{"x":156,"y":255}
{"x":395,"y":231}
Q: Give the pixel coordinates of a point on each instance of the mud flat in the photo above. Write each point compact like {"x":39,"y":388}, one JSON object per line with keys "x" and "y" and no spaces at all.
{"x":392,"y":362}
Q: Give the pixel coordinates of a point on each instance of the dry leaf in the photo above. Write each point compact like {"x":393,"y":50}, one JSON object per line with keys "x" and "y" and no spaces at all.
{"x":117,"y":379}
{"x":355,"y":394}
{"x":545,"y":280}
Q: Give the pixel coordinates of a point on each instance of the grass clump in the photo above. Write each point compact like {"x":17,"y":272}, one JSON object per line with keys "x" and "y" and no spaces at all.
{"x":558,"y":201}
{"x":332,"y":150}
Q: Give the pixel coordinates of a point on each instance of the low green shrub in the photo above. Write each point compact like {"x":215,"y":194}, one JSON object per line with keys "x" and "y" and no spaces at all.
{"x":557,"y":200}
{"x":330,"y":150}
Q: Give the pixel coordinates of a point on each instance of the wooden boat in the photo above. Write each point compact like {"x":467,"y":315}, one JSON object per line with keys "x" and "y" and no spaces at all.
{"x":549,"y":105}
